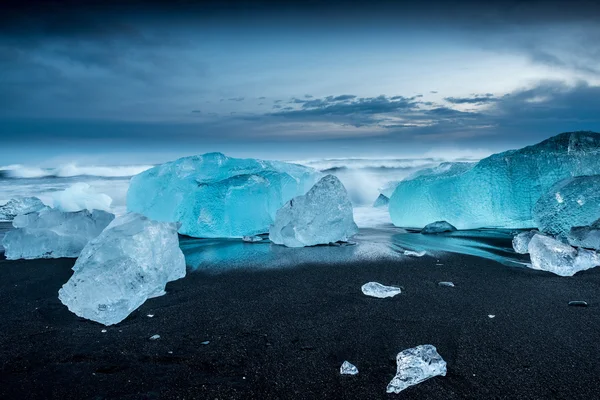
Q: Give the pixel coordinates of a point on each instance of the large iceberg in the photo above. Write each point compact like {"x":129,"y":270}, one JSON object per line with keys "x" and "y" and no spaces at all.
{"x":129,"y":262}
{"x":20,"y":205}
{"x":549,"y":254}
{"x":52,"y":233}
{"x":81,"y":196}
{"x":570,"y":202}
{"x":213,"y":195}
{"x":416,"y":365}
{"x":585,"y":236}
{"x":324,"y":215}
{"x":498,"y":191}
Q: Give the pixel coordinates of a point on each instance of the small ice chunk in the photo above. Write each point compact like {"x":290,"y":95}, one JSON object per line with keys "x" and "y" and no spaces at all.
{"x":491,"y":316}
{"x":521,"y":241}
{"x":549,"y":254}
{"x":585,"y":236}
{"x":251,"y":239}
{"x":414,"y":253}
{"x":51,"y":233}
{"x":321,"y":216}
{"x":103,"y":331}
{"x":205,"y":342}
{"x":578,"y":303}
{"x":20,"y":205}
{"x":416,"y":365}
{"x":150,"y":315}
{"x":348,"y":369}
{"x":447,"y":284}
{"x":438,"y":227}
{"x":378,"y":290}
{"x":131,"y":261}
{"x":81,"y":196}
{"x":154,"y":337}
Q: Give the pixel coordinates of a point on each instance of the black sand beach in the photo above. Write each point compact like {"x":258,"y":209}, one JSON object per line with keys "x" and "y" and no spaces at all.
{"x":279,"y":334}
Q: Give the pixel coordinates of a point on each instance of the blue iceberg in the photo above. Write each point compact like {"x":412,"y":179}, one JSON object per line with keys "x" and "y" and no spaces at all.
{"x":213,"y":195}
{"x":20,"y":205}
{"x":498,"y":191}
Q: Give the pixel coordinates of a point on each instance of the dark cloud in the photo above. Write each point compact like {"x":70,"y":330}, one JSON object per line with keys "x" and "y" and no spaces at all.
{"x":484,"y":99}
{"x":238,"y":99}
{"x":343,"y":97}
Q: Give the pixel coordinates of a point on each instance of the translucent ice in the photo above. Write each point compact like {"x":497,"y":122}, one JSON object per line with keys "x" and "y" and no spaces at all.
{"x":381,"y":201}
{"x":322,"y":216}
{"x":375,"y":289}
{"x":131,"y":261}
{"x":521,"y":241}
{"x":571,"y":202}
{"x":252,"y":239}
{"x":549,"y":254}
{"x":416,"y":365}
{"x":217,"y":196}
{"x":438,"y":227}
{"x":348,"y":369}
{"x":585,"y":236}
{"x":20,"y":205}
{"x":51,"y":233}
{"x":81,"y":196}
{"x":498,"y":191}
{"x":446,"y":284}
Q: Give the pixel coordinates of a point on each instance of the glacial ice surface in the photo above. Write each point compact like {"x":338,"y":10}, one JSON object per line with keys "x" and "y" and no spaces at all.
{"x":570,"y":202}
{"x":520,"y":242}
{"x":130,"y":261}
{"x":375,"y":289}
{"x":52,"y":233}
{"x":585,"y":236}
{"x":324,"y":215}
{"x":416,"y":365}
{"x":213,"y":195}
{"x":498,"y":191}
{"x":548,"y":254}
{"x":438,"y":227}
{"x":348,"y":369}
{"x":81,"y":196}
{"x":20,"y":205}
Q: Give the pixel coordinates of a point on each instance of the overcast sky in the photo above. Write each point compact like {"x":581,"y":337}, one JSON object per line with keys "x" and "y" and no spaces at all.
{"x":144,"y":82}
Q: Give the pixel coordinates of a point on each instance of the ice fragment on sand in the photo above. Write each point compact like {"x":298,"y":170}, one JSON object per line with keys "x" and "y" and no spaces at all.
{"x":498,"y":191}
{"x":205,"y":342}
{"x":131,"y":261}
{"x":81,"y":196}
{"x":491,"y":316}
{"x":447,"y":284}
{"x":51,"y":233}
{"x":578,"y":303}
{"x":416,"y":365}
{"x":549,"y":254}
{"x":375,"y":289}
{"x":20,"y":205}
{"x":520,"y":242}
{"x":252,"y":239}
{"x":438,"y":227}
{"x":154,"y":337}
{"x":213,"y":195}
{"x":348,"y":369}
{"x":414,"y":253}
{"x":322,"y":216}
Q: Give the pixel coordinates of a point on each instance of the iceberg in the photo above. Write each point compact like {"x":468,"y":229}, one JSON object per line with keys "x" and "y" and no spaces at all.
{"x":213,"y":195}
{"x":570,"y":202}
{"x":438,"y":227}
{"x":20,"y":205}
{"x":81,"y":196}
{"x":521,"y":241}
{"x":416,"y":365}
{"x":548,"y":254}
{"x":129,"y":262}
{"x":375,"y":289}
{"x":585,"y":236}
{"x":51,"y":233}
{"x":498,"y":191}
{"x":348,"y":369}
{"x":322,"y":216}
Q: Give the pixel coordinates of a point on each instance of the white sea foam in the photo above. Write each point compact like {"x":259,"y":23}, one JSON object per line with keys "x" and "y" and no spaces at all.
{"x":71,"y":170}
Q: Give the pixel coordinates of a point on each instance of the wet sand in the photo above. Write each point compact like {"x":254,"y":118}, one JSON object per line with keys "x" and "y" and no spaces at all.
{"x":283,"y":333}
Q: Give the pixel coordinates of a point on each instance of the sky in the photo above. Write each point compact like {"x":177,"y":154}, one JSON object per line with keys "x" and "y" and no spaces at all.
{"x":143,"y":82}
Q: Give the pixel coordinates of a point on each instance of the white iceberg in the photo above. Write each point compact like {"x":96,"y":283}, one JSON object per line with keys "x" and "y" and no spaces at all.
{"x":324,"y":215}
{"x":81,"y":196}
{"x":51,"y":233}
{"x":213,"y":195}
{"x":416,"y":365}
{"x":375,"y":289}
{"x":131,"y":261}
{"x":20,"y":205}
{"x":548,"y":254}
